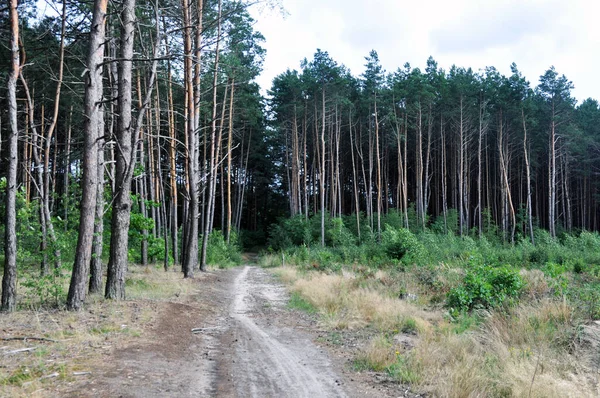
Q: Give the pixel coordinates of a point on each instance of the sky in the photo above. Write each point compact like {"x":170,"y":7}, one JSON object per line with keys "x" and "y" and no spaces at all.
{"x":535,"y":34}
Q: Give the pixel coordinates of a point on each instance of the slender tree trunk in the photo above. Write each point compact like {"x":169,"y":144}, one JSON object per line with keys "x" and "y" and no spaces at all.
{"x":419,"y":166}
{"x":378,"y":159}
{"x":552,"y":177}
{"x":354,"y":177}
{"x":213,"y":152}
{"x":92,"y":104}
{"x":98,"y":241}
{"x":528,"y":177}
{"x":322,"y":171}
{"x":67,"y":170}
{"x":444,"y":176}
{"x":229,"y":155}
{"x":174,"y":223}
{"x":9,"y":278}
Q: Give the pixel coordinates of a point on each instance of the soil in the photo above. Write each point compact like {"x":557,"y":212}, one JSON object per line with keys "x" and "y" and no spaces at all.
{"x":235,"y":338}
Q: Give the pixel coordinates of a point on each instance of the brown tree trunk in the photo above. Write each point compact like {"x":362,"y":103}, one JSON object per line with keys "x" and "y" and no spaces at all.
{"x":92,"y":104}
{"x":128,"y":130}
{"x":213,"y":153}
{"x":9,"y":278}
{"x":229,"y":143}
{"x":117,"y":264}
{"x":98,"y":241}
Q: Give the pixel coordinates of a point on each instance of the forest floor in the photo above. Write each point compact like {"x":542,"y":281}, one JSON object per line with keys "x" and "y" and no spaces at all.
{"x":227,"y":333}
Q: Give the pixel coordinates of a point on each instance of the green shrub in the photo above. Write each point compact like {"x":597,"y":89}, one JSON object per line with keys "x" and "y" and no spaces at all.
{"x":339,"y":235}
{"x":401,"y":244}
{"x":218,"y":252}
{"x":484,"y":287}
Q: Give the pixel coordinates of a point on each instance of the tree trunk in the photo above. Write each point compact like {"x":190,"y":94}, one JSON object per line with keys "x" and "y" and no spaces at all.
{"x":528,"y":177}
{"x":117,"y":264}
{"x":322,"y":167}
{"x":213,"y":153}
{"x":229,"y":142}
{"x":92,"y":104}
{"x":9,"y":278}
{"x":98,"y":241}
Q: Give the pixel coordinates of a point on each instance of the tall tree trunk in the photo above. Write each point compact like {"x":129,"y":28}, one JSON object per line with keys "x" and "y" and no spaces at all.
{"x":213,"y":152}
{"x":173,"y":205}
{"x":482,"y":129}
{"x":528,"y":177}
{"x":419,"y":166}
{"x":67,"y":170}
{"x":322,"y":167}
{"x":128,"y":131}
{"x":443,"y":175}
{"x":98,"y":241}
{"x":378,"y":160}
{"x":92,"y":104}
{"x":229,"y":154}
{"x":117,"y":264}
{"x":9,"y":278}
{"x":354,"y":177}
{"x":552,"y":176}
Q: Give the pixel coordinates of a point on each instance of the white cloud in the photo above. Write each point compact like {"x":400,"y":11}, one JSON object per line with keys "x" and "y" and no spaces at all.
{"x":534,"y":34}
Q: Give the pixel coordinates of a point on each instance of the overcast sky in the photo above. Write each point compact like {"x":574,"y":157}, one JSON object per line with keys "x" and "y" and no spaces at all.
{"x":535,"y":34}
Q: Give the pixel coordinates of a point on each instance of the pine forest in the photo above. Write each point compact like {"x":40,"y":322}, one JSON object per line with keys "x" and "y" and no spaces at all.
{"x":134,"y":136}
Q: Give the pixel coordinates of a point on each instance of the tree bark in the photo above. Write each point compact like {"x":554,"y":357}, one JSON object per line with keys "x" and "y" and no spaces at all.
{"x":92,"y":104}
{"x":9,"y":278}
{"x":213,"y":153}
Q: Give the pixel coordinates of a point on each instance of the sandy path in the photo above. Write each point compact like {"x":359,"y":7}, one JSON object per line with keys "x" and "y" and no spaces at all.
{"x":271,"y":361}
{"x":247,"y":344}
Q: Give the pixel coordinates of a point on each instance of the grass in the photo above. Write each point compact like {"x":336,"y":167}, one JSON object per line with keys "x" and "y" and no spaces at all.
{"x":79,"y":341}
{"x":529,"y":349}
{"x":298,"y":303}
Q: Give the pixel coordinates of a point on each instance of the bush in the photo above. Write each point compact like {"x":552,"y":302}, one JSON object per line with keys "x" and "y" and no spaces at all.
{"x":339,"y":235}
{"x":484,"y":287}
{"x":401,"y":244}
{"x":220,"y":253}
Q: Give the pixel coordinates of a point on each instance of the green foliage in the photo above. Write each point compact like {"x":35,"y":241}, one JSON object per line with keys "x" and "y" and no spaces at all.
{"x":339,"y":235}
{"x":297,"y":302}
{"x":220,"y":253}
{"x":49,"y":289}
{"x":402,"y":371}
{"x":401,"y":244}
{"x":484,"y":287}
{"x":294,"y":231}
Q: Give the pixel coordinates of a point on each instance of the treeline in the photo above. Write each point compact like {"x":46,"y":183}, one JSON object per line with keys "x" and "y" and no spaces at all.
{"x":130,"y":130}
{"x":498,"y":151}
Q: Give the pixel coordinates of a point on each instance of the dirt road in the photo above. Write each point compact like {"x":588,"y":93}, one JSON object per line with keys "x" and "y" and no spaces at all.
{"x":246,"y":343}
{"x":273,"y":361}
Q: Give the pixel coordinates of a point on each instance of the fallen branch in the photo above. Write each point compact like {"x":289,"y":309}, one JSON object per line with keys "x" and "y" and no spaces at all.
{"x":81,"y":373}
{"x":55,"y":374}
{"x":27,"y":338}
{"x":200,"y":330}
{"x":20,"y":350}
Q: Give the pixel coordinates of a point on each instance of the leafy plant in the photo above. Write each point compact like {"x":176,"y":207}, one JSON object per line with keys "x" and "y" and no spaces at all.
{"x":484,"y":287}
{"x":401,"y":244}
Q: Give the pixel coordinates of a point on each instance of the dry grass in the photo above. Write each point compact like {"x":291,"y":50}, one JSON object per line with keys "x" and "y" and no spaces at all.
{"x":150,"y":283}
{"x":78,"y":341}
{"x":378,"y":355}
{"x":522,"y":354}
{"x":527,"y":351}
{"x":345,"y":302}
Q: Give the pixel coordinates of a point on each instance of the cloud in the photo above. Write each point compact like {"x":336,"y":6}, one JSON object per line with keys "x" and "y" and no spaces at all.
{"x":472,"y":33}
{"x":486,"y":25}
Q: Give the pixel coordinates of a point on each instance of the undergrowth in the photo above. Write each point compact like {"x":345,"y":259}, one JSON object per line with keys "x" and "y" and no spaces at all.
{"x":483,"y":317}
